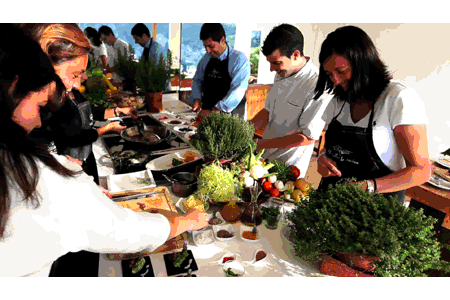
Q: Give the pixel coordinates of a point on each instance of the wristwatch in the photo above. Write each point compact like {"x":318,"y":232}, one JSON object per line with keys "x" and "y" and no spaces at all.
{"x":370,"y":186}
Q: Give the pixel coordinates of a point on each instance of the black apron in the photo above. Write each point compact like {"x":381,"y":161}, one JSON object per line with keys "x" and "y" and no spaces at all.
{"x":86,"y":121}
{"x":353,"y":151}
{"x":217,"y":83}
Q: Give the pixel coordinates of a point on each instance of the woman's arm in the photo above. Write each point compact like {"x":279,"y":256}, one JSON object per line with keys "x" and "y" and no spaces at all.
{"x":104,"y":62}
{"x":413,"y":144}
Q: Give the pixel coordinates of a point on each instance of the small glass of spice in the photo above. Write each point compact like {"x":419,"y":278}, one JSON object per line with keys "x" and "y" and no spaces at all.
{"x":249,"y":235}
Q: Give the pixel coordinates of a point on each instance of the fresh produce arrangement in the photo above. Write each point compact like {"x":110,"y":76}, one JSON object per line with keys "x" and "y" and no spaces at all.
{"x":215,"y":183}
{"x":98,"y":88}
{"x":346,"y":221}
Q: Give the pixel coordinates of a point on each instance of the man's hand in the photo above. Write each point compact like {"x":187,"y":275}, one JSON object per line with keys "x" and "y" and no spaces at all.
{"x":203,"y":114}
{"x":127,"y":111}
{"x":327,"y":167}
{"x":197,"y":105}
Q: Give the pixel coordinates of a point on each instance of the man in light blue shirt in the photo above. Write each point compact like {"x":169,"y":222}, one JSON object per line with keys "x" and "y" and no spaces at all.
{"x":152,"y":49}
{"x":221,"y":80}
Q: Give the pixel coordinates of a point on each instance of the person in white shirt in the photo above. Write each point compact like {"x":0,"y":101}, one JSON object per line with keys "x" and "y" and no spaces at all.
{"x":99,"y":54}
{"x":376,"y":127}
{"x":115,"y":45}
{"x":291,"y":118}
{"x":48,"y":206}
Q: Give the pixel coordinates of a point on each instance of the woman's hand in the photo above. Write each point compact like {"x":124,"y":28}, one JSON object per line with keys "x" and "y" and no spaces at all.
{"x":198,"y":219}
{"x":204,"y":114}
{"x":327,"y":167}
{"x":113,"y":126}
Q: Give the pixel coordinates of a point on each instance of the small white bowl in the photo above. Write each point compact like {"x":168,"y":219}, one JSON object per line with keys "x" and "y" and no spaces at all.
{"x":219,"y":216}
{"x":235,"y":266}
{"x":227,"y":227}
{"x":261,"y":260}
{"x":244,"y":228}
{"x":205,"y":232}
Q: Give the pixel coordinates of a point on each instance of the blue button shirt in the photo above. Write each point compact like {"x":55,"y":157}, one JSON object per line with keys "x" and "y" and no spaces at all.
{"x":155,"y":51}
{"x":239,"y":70}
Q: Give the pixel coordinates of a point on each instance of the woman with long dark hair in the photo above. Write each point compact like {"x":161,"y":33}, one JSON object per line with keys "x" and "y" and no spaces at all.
{"x":48,"y":207}
{"x":377,"y":127}
{"x":99,"y":54}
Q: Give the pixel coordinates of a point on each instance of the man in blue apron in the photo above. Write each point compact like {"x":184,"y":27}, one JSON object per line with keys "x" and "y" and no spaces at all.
{"x":376,"y":123}
{"x":221,"y":80}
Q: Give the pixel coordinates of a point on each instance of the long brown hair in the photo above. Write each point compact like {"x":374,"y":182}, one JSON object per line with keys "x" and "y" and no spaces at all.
{"x":25,"y":68}
{"x":60,"y":41}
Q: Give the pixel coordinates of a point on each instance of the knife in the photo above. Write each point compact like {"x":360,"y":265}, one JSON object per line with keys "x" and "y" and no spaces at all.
{"x":135,"y":197}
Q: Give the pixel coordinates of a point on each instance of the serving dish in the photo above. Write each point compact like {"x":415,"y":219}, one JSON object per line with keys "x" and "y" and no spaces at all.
{"x":235,"y":266}
{"x":203,"y":237}
{"x":164,"y":163}
{"x":439,"y":182}
{"x":443,"y":160}
{"x":226,"y":227}
{"x":245,"y":228}
{"x":130,"y":181}
{"x":186,"y":129}
{"x":179,"y":205}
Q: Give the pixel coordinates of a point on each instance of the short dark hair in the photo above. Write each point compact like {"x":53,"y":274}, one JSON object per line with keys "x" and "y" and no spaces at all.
{"x":105,"y":30}
{"x":370,"y":76}
{"x":139,"y":29}
{"x":285,"y":37}
{"x":93,"y":35}
{"x":212,"y":31}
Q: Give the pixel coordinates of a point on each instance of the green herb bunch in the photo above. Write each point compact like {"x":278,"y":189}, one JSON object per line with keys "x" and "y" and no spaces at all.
{"x":224,"y":136}
{"x":152,"y":75}
{"x":282,"y":170}
{"x":346,"y":219}
{"x":126,"y":66}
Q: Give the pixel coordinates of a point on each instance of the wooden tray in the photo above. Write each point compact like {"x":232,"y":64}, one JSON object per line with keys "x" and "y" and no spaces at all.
{"x":442,"y":172}
{"x":160,"y":201}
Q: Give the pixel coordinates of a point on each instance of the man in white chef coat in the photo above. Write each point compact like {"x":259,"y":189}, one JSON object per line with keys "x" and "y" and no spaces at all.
{"x":290,"y":128}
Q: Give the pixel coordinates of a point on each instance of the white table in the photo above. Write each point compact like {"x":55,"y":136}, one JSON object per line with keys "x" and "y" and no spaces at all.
{"x":280,"y":260}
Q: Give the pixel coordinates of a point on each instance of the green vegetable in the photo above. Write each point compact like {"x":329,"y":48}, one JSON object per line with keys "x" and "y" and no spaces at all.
{"x":176,"y":162}
{"x":224,"y":136}
{"x":230,"y":273}
{"x":180,"y":259}
{"x":145,"y":181}
{"x":281,"y":169}
{"x":215,"y":183}
{"x":138,"y":266}
{"x":272,"y":211}
{"x":346,"y":219}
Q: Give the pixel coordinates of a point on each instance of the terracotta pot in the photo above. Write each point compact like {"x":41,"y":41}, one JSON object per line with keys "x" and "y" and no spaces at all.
{"x":362,"y":262}
{"x":154,"y":101}
{"x":333,"y":267}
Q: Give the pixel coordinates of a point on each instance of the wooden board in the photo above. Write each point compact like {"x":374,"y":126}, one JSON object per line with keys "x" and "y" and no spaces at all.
{"x":159,"y":202}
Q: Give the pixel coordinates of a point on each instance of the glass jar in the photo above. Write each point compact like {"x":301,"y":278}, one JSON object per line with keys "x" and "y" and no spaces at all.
{"x":252,"y":213}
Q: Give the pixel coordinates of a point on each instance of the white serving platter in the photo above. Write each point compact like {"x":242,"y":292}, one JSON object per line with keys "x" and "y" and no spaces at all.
{"x":439,"y":182}
{"x":130,"y":181}
{"x":164,"y":163}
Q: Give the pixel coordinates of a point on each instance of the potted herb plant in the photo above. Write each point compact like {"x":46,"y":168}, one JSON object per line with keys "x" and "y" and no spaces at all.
{"x":152,"y":77}
{"x":363,"y":229}
{"x":223,"y":137}
{"x":126,"y":67}
{"x":272,"y":216}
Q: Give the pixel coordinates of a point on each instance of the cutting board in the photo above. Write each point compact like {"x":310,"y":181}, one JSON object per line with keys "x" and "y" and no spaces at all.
{"x":160,"y":201}
{"x":442,"y":172}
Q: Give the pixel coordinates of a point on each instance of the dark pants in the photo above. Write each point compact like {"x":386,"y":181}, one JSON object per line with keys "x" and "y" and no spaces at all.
{"x":82,"y":263}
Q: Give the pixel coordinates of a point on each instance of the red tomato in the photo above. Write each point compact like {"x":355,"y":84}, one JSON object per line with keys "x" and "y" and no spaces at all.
{"x":262,"y":180}
{"x":267,"y":186}
{"x":227,"y":258}
{"x":274,"y":193}
{"x":295,"y":172}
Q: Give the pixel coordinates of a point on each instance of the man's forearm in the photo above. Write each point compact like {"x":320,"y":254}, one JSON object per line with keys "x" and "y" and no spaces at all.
{"x":288,"y":141}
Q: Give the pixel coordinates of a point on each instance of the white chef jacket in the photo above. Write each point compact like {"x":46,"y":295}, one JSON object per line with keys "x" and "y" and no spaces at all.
{"x":291,"y":110}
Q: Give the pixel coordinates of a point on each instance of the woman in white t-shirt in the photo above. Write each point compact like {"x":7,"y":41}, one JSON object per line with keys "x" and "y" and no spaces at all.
{"x":48,"y":207}
{"x":99,"y":54}
{"x":376,"y":127}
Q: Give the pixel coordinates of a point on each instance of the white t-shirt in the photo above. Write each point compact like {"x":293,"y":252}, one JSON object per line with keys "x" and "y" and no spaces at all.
{"x":397,"y":105}
{"x":291,"y":110}
{"x":99,"y":51}
{"x":73,"y":215}
{"x":113,"y":56}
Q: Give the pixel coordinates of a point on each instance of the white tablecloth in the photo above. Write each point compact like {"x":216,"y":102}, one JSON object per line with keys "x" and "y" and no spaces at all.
{"x":280,"y":260}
